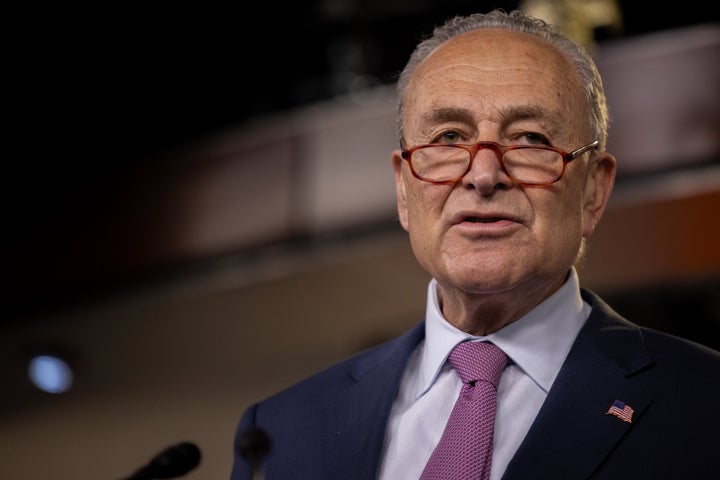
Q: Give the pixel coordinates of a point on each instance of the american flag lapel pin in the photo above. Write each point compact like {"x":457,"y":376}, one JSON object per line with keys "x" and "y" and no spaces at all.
{"x":621,"y":410}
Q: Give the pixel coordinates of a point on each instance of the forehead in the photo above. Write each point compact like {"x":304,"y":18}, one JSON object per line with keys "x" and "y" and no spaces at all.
{"x":496,"y":70}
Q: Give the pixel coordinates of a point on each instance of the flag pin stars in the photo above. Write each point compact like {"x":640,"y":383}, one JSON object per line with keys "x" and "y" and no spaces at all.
{"x":621,"y":410}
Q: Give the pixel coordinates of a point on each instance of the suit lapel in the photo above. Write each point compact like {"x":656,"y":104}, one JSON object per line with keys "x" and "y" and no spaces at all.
{"x":573,"y":433}
{"x":362,"y":410}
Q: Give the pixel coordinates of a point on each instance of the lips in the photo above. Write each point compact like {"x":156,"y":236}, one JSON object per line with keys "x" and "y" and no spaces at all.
{"x":483,"y":219}
{"x":477,"y":217}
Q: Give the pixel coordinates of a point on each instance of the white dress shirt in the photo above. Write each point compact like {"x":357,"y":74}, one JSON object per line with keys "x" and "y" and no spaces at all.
{"x":536,"y":345}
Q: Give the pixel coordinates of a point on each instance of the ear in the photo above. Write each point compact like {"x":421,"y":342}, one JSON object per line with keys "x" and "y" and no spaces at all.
{"x":398,"y":162}
{"x":598,"y":187}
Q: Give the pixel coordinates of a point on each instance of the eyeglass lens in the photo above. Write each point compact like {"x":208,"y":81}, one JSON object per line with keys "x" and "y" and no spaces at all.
{"x":441,"y":163}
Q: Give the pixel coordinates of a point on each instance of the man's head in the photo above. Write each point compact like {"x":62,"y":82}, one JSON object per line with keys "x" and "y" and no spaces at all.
{"x":495,"y":244}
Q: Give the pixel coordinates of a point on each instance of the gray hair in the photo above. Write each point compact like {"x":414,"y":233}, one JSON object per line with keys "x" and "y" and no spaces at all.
{"x":520,"y":22}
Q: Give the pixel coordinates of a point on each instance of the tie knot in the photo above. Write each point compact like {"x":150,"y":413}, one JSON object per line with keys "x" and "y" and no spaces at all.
{"x":478,"y":361}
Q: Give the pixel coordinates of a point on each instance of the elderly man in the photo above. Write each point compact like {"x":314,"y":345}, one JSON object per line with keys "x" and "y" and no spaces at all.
{"x":501,"y":176}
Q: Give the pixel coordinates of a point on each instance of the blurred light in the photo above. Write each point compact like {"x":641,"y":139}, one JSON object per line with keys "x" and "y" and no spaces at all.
{"x":50,"y":374}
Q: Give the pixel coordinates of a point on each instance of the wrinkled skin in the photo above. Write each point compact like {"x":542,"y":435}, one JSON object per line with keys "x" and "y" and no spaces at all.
{"x":496,"y":248}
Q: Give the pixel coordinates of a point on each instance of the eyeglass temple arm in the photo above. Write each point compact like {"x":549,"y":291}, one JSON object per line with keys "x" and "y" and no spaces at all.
{"x":576,"y":153}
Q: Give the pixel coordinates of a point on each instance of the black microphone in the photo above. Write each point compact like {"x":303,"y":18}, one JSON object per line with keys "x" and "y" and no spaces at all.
{"x":254,"y":445}
{"x":172,"y":462}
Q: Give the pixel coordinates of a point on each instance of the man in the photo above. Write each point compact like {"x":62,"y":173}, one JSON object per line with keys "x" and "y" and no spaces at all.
{"x":501,"y":177}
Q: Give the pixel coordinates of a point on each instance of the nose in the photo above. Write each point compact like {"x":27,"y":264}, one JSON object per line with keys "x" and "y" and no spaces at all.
{"x":486,"y":172}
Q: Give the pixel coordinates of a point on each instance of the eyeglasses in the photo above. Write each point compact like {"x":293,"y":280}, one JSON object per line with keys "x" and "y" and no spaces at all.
{"x":442,"y":164}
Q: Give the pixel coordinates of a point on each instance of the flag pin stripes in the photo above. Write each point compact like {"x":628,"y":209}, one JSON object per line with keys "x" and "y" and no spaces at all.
{"x":621,"y":410}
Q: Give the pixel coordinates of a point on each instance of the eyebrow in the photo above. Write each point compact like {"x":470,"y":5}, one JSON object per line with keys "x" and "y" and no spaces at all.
{"x":449,"y":114}
{"x":549,"y":120}
{"x":527,"y":112}
{"x":507,"y":116}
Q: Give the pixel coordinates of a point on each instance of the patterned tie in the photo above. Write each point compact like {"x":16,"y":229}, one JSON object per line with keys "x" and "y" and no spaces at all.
{"x":465,"y":448}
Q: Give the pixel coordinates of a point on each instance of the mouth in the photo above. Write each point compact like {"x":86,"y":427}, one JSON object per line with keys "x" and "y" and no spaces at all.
{"x":485,"y":222}
{"x":482,"y":219}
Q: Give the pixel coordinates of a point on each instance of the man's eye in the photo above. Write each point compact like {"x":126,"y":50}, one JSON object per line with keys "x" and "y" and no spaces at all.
{"x":531,"y":138}
{"x":447,"y":137}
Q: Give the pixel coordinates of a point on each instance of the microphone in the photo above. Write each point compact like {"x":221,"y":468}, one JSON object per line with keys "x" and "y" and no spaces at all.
{"x":254,"y":445}
{"x":174,"y":461}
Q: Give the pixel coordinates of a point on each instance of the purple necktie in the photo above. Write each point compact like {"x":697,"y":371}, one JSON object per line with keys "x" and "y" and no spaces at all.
{"x":465,"y":448}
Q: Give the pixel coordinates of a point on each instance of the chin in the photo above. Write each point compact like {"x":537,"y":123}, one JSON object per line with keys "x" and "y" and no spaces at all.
{"x":483,"y":280}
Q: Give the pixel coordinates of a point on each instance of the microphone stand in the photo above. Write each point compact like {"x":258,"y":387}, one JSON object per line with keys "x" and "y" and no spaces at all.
{"x":254,"y":446}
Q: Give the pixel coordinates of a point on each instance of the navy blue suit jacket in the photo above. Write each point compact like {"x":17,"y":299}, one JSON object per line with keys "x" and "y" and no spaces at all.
{"x":331,"y":425}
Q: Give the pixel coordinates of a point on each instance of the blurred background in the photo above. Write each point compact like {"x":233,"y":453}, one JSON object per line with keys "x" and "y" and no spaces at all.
{"x":199,"y":207}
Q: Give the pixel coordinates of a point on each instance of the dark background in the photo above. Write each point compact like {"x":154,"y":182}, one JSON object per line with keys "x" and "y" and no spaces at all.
{"x":95,"y":94}
{"x":94,"y":91}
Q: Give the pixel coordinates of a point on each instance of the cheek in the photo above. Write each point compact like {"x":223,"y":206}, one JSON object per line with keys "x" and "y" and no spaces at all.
{"x":559,"y":220}
{"x":424,"y":201}
{"x":424,"y":217}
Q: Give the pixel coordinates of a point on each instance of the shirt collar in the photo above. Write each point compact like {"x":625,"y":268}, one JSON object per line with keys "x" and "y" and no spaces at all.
{"x":537,"y":342}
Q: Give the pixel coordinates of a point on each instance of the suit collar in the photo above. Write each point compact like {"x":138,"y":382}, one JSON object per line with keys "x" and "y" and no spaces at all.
{"x":573,"y":433}
{"x":364,"y":407}
{"x":393,"y":353}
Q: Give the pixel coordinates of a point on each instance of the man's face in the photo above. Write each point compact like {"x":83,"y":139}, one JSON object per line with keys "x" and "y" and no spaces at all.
{"x":485,"y":234}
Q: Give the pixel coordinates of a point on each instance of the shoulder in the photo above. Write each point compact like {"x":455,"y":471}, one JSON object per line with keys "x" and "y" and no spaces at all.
{"x":668,"y":351}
